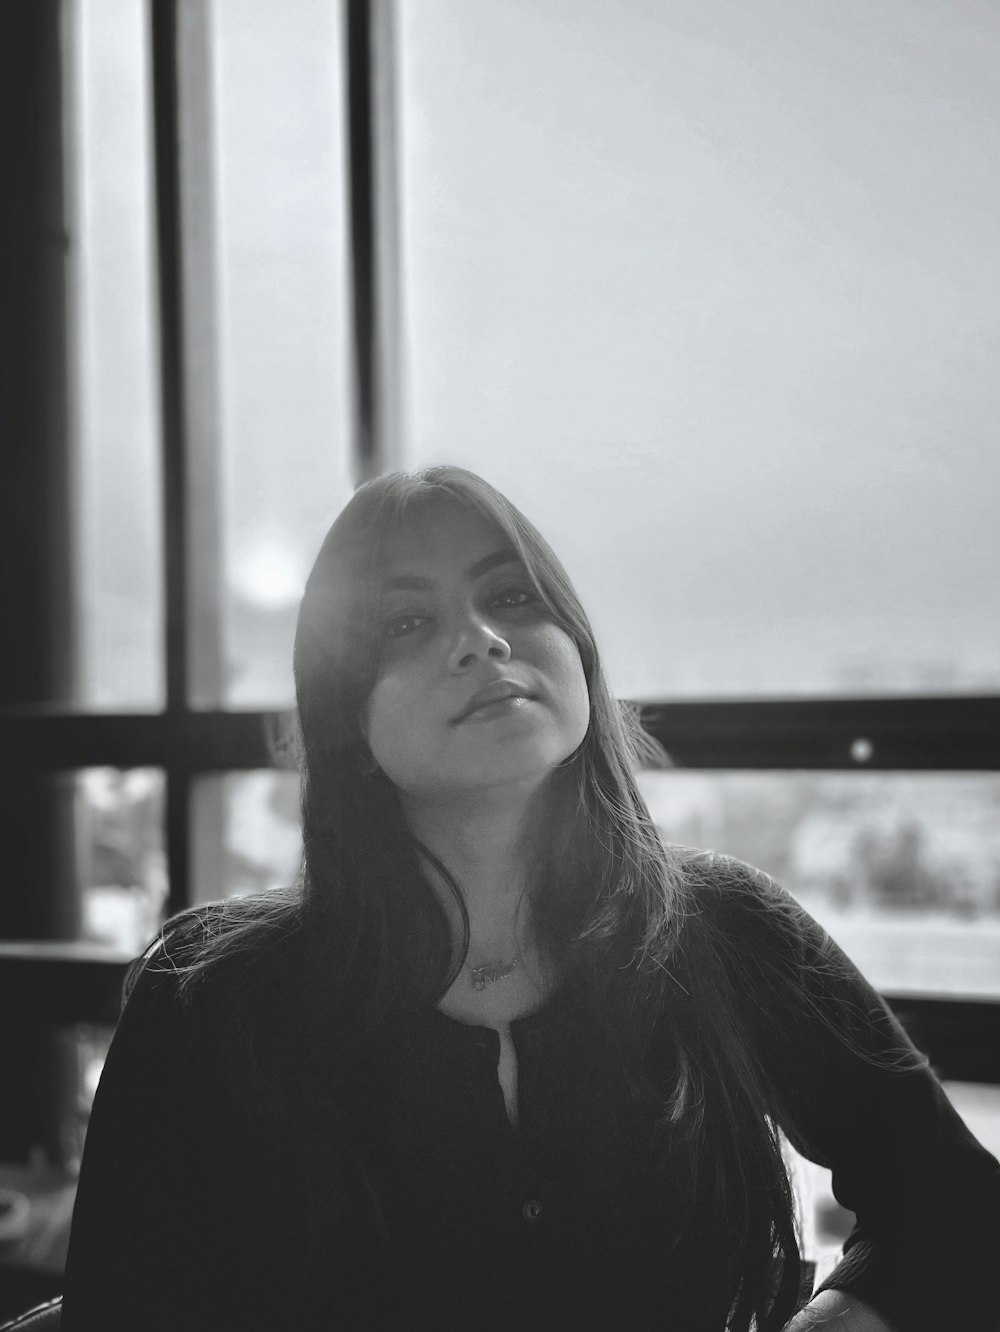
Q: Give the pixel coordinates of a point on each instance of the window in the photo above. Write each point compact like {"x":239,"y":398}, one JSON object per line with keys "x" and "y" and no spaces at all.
{"x":260,"y":846}
{"x":903,"y":869}
{"x":714,"y":289}
{"x":264,"y":282}
{"x":726,"y":344}
{"x":280,"y":314}
{"x":121,"y":867}
{"x":112,"y":350}
{"x":647,"y":276}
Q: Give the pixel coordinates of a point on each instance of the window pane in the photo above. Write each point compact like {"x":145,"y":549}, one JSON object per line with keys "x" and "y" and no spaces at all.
{"x":247,"y":835}
{"x":113,"y":355}
{"x":903,"y":869}
{"x":714,"y":289}
{"x":121,"y":860}
{"x":89,"y":1045}
{"x":281,"y":282}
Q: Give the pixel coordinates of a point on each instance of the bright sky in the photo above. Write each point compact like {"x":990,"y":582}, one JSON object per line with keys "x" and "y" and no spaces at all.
{"x":711,"y":288}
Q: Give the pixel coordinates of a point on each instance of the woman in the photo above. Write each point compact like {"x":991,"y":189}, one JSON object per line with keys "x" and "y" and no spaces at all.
{"x":502,"y":1059}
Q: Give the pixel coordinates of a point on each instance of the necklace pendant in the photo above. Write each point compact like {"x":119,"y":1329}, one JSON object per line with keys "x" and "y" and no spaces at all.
{"x":490,"y":974}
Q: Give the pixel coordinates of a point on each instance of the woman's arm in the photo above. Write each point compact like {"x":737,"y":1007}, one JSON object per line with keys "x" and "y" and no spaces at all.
{"x":160,"y":1209}
{"x":194,"y":1211}
{"x":854,"y":1095}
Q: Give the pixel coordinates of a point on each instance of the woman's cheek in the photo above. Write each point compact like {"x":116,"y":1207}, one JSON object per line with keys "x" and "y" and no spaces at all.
{"x":571,"y":694}
{"x":381,"y":720}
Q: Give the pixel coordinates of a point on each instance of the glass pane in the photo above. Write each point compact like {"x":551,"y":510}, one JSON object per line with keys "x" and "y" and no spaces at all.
{"x":246,"y":833}
{"x":121,"y":860}
{"x":281,"y":283}
{"x":729,"y":346}
{"x":979,"y":1106}
{"x":88,"y":1045}
{"x":113,"y":355}
{"x":903,"y":869}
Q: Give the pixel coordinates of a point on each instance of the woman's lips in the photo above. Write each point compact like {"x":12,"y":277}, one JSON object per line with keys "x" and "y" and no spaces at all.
{"x":500,"y":707}
{"x":499,"y":692}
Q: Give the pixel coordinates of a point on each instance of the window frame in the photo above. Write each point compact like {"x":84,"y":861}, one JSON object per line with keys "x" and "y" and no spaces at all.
{"x":76,"y":982}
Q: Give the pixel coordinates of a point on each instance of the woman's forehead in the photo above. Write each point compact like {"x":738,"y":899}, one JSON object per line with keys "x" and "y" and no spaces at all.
{"x":442,"y":532}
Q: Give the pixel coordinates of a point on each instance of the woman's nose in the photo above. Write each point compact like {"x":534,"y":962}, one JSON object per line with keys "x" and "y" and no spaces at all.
{"x":477,"y":640}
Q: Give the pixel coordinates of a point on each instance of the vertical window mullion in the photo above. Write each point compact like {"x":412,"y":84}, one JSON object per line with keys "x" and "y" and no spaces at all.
{"x":361,"y":186}
{"x":373,"y":234}
{"x":166,"y":144}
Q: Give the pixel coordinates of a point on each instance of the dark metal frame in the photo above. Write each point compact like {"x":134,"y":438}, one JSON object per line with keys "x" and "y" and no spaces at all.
{"x":888,"y":734}
{"x":169,"y":239}
{"x":74,"y":983}
{"x":362,"y":205}
{"x":835,"y":734}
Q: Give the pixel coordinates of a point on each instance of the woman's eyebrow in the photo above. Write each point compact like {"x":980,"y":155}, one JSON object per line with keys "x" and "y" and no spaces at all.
{"x":419,"y":583}
{"x":499,"y":557}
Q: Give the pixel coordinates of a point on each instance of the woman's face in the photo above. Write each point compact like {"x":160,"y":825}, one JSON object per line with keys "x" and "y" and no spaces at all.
{"x":477,"y":686}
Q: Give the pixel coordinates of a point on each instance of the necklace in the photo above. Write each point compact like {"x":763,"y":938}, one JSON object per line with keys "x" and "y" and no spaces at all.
{"x":490,"y":973}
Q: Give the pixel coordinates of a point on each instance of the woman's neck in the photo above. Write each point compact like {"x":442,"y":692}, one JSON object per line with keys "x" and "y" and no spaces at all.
{"x":489,"y":845}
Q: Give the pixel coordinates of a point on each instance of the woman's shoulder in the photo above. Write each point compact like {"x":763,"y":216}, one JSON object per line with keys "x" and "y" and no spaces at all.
{"x":743,"y":917}
{"x":739,"y":903}
{"x":714,"y":878}
{"x":244,"y":943}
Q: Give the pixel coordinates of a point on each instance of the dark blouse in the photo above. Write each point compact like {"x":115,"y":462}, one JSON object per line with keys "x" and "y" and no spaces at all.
{"x":237,"y":1176}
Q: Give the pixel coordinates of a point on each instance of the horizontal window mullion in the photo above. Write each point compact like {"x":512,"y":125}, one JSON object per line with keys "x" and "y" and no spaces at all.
{"x":928,"y":734}
{"x":55,"y":984}
{"x":189,"y":741}
{"x":961,"y":1037}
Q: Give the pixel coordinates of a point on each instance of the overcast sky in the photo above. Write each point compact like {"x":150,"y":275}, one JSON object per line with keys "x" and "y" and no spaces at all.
{"x":710,"y":287}
{"x":713,"y":288}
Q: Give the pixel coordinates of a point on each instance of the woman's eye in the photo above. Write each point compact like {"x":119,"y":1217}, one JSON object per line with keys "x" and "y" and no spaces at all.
{"x":401,"y":625}
{"x":513,"y":598}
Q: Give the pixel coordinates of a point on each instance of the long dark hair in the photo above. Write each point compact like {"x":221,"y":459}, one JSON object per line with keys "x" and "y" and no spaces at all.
{"x":362,"y":866}
{"x":622,"y":913}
